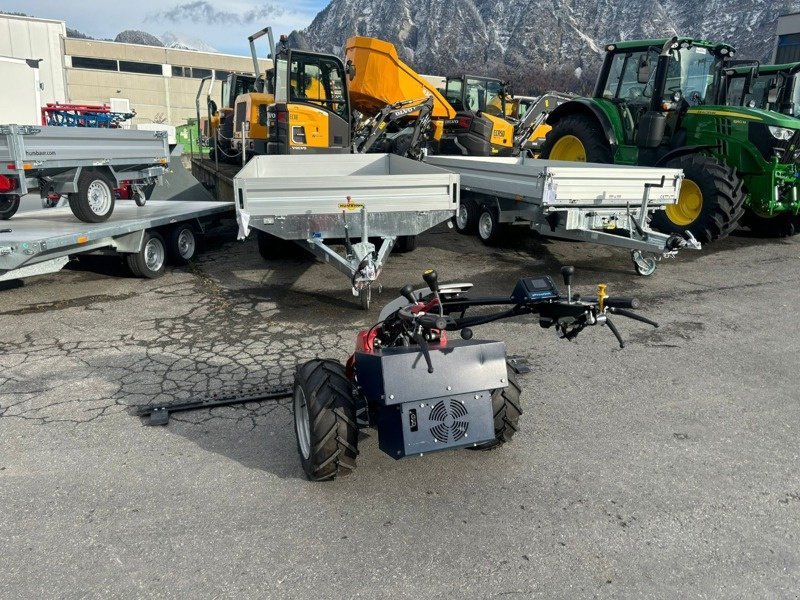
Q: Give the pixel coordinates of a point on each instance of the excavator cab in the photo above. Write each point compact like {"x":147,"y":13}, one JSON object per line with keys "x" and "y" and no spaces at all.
{"x":482,"y":126}
{"x":299,"y":106}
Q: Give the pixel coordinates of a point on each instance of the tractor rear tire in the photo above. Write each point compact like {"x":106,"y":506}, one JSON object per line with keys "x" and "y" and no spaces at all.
{"x":577,"y":138}
{"x":721,"y":202}
{"x":325,"y":419}
{"x":779,"y":226}
{"x":507,"y":408}
{"x":9,"y":205}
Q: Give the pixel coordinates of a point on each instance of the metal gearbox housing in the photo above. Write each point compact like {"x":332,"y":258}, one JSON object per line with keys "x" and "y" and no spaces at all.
{"x":417,"y":412}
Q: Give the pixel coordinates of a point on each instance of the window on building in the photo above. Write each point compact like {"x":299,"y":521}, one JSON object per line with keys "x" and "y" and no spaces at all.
{"x":788,"y":48}
{"x":102,"y":64}
{"x":181,"y":71}
{"x":221,"y":74}
{"x":140,"y":67}
{"x":200,"y":73}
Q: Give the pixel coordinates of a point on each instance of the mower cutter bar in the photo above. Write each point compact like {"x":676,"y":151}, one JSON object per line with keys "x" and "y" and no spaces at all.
{"x":159,"y":414}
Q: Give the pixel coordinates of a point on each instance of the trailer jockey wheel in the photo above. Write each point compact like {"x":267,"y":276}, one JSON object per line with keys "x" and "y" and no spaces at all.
{"x":325,"y":419}
{"x":182,"y":246}
{"x":94,"y":201}
{"x":365,"y":297}
{"x":150,"y":262}
{"x":9,"y":204}
{"x":139,"y":196}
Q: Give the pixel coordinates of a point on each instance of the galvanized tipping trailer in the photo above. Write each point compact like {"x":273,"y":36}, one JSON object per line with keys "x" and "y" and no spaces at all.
{"x":42,"y":241}
{"x":313,"y":199}
{"x":602,"y":204}
{"x":86,"y":164}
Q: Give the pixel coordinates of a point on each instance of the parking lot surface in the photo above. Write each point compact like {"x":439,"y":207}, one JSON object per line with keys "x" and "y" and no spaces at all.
{"x":666,"y":469}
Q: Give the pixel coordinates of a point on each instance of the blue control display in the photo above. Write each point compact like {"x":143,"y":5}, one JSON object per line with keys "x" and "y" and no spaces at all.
{"x":535,"y":289}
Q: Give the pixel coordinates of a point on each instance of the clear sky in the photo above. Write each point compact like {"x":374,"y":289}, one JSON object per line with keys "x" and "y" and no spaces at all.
{"x":224,"y":24}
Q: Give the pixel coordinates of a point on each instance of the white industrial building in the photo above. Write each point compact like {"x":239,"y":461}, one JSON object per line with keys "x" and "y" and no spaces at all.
{"x":787,"y":40}
{"x":160,"y":83}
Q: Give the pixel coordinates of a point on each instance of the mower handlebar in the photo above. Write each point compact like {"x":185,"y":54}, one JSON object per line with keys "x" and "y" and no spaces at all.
{"x":612,"y":302}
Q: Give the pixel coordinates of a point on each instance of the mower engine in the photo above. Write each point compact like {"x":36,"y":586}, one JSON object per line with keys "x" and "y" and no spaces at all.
{"x":421,"y":410}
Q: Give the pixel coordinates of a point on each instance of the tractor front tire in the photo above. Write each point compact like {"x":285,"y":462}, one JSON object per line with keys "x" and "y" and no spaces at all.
{"x":777,"y":226}
{"x":507,"y":409}
{"x":577,"y":138}
{"x":711,"y":201}
{"x":325,"y":420}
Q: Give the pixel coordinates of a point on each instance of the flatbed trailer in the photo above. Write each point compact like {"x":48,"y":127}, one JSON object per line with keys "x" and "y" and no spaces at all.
{"x":602,"y":204}
{"x":43,"y":241}
{"x":85,"y":164}
{"x":313,"y":199}
{"x":217,"y":177}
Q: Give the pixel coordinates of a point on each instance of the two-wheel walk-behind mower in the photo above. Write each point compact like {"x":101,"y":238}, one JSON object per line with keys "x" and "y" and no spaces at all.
{"x":422,"y":391}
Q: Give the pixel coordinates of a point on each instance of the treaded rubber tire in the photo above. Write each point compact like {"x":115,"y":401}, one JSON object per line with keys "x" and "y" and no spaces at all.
{"x":779,"y":226}
{"x":9,"y":205}
{"x":331,"y":417}
{"x":472,"y":210}
{"x":173,"y":248}
{"x":723,"y":199}
{"x":507,"y":409}
{"x":138,"y":265}
{"x":588,"y":131}
{"x":79,"y":202}
{"x":271,"y":247}
{"x":405,"y":244}
{"x":493,"y":237}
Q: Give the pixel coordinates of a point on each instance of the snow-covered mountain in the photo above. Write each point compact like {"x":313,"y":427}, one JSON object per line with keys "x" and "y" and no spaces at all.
{"x":546,"y":39}
{"x":184,"y":42}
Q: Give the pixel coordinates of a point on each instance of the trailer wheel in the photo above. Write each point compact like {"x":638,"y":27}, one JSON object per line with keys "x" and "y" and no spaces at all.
{"x":94,"y":201}
{"x":711,"y":201}
{"x":466,"y":219}
{"x":271,"y":247}
{"x":325,"y":420}
{"x":490,"y":230}
{"x":9,"y":205}
{"x":507,"y":408}
{"x":150,"y":262}
{"x":182,"y":245}
{"x":405,"y":244}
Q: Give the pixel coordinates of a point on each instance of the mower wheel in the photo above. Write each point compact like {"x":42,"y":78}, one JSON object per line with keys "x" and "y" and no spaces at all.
{"x":325,"y":419}
{"x":711,"y":201}
{"x":507,"y":408}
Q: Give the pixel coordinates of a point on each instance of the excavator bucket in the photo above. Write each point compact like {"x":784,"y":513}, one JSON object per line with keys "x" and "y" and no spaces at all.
{"x":381,"y":78}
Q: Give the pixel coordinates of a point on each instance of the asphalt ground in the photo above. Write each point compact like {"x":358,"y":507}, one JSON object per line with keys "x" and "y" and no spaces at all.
{"x":667,"y":469}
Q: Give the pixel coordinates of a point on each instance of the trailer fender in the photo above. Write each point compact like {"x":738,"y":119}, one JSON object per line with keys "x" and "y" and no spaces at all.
{"x":129,"y":243}
{"x":682,"y":151}
{"x":584,"y":106}
{"x":67,"y":182}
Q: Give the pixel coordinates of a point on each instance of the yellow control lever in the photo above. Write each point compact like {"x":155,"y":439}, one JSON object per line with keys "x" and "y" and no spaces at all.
{"x":601,"y":295}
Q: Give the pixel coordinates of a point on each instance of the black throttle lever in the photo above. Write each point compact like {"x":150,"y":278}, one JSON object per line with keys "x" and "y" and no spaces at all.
{"x":631,"y":315}
{"x":615,"y":331}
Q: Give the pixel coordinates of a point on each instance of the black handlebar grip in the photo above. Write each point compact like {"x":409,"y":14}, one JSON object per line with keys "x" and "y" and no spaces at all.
{"x":567,"y":273}
{"x":432,"y":279}
{"x":432,"y":321}
{"x":407,"y":291}
{"x":613,"y":302}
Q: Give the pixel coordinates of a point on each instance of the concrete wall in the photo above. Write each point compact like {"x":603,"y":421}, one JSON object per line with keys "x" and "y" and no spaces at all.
{"x":28,"y":37}
{"x":155,"y":97}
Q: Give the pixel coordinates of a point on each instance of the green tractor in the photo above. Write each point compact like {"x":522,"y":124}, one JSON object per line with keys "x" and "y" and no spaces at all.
{"x":656,"y":103}
{"x":769,"y":87}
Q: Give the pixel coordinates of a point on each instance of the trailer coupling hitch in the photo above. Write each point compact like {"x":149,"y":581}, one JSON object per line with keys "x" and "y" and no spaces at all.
{"x":676,"y":242}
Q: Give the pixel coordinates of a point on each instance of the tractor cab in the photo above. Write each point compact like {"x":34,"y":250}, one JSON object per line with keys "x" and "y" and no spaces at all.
{"x":768,"y":87}
{"x":651,"y":84}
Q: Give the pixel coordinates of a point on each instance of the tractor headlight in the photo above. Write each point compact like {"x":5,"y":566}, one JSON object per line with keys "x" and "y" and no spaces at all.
{"x":781,"y":133}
